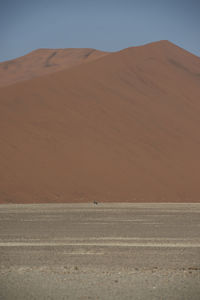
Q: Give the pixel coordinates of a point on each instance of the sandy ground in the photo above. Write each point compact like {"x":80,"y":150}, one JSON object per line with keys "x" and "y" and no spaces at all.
{"x":104,"y":251}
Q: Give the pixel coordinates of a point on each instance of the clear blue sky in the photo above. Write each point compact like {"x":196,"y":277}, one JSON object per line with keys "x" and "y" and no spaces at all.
{"x":106,"y":25}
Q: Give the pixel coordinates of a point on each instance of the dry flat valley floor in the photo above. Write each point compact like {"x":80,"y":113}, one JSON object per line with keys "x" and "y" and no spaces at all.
{"x":105,"y":251}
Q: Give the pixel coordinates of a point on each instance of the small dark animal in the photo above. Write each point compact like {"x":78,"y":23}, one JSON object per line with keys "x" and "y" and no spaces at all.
{"x":95,"y":202}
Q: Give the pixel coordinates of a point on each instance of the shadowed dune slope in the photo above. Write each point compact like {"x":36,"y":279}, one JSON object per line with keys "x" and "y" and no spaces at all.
{"x":44,"y":61}
{"x":122,"y":128}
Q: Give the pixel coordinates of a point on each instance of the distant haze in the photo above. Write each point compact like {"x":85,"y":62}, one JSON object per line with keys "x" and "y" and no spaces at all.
{"x":107,"y":25}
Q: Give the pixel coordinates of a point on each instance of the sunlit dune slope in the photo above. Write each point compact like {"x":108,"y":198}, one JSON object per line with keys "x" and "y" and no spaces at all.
{"x":44,"y":61}
{"x":122,"y":128}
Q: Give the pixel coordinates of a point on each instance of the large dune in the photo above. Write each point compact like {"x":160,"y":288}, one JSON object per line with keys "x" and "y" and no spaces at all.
{"x":124,"y":127}
{"x":44,"y":61}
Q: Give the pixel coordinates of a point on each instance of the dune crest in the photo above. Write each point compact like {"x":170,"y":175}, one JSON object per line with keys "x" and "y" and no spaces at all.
{"x":44,"y":61}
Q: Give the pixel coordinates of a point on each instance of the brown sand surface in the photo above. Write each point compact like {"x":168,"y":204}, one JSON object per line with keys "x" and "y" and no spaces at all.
{"x":44,"y":61}
{"x":124,"y":127}
{"x":111,"y":251}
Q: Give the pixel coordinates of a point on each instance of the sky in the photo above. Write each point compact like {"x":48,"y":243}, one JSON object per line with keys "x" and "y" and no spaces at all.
{"x":108,"y":25}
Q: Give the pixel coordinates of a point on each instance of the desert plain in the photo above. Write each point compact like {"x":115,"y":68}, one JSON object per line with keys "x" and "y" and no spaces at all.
{"x":104,"y":251}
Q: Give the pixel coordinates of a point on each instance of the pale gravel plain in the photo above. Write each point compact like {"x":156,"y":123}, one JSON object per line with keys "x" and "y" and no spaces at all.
{"x":104,"y":251}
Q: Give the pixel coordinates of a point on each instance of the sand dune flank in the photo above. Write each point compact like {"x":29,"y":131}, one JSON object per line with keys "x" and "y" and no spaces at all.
{"x":123,"y":127}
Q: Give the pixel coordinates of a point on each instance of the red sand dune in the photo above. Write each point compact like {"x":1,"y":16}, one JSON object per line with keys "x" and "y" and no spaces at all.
{"x":124,"y":127}
{"x":44,"y":61}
